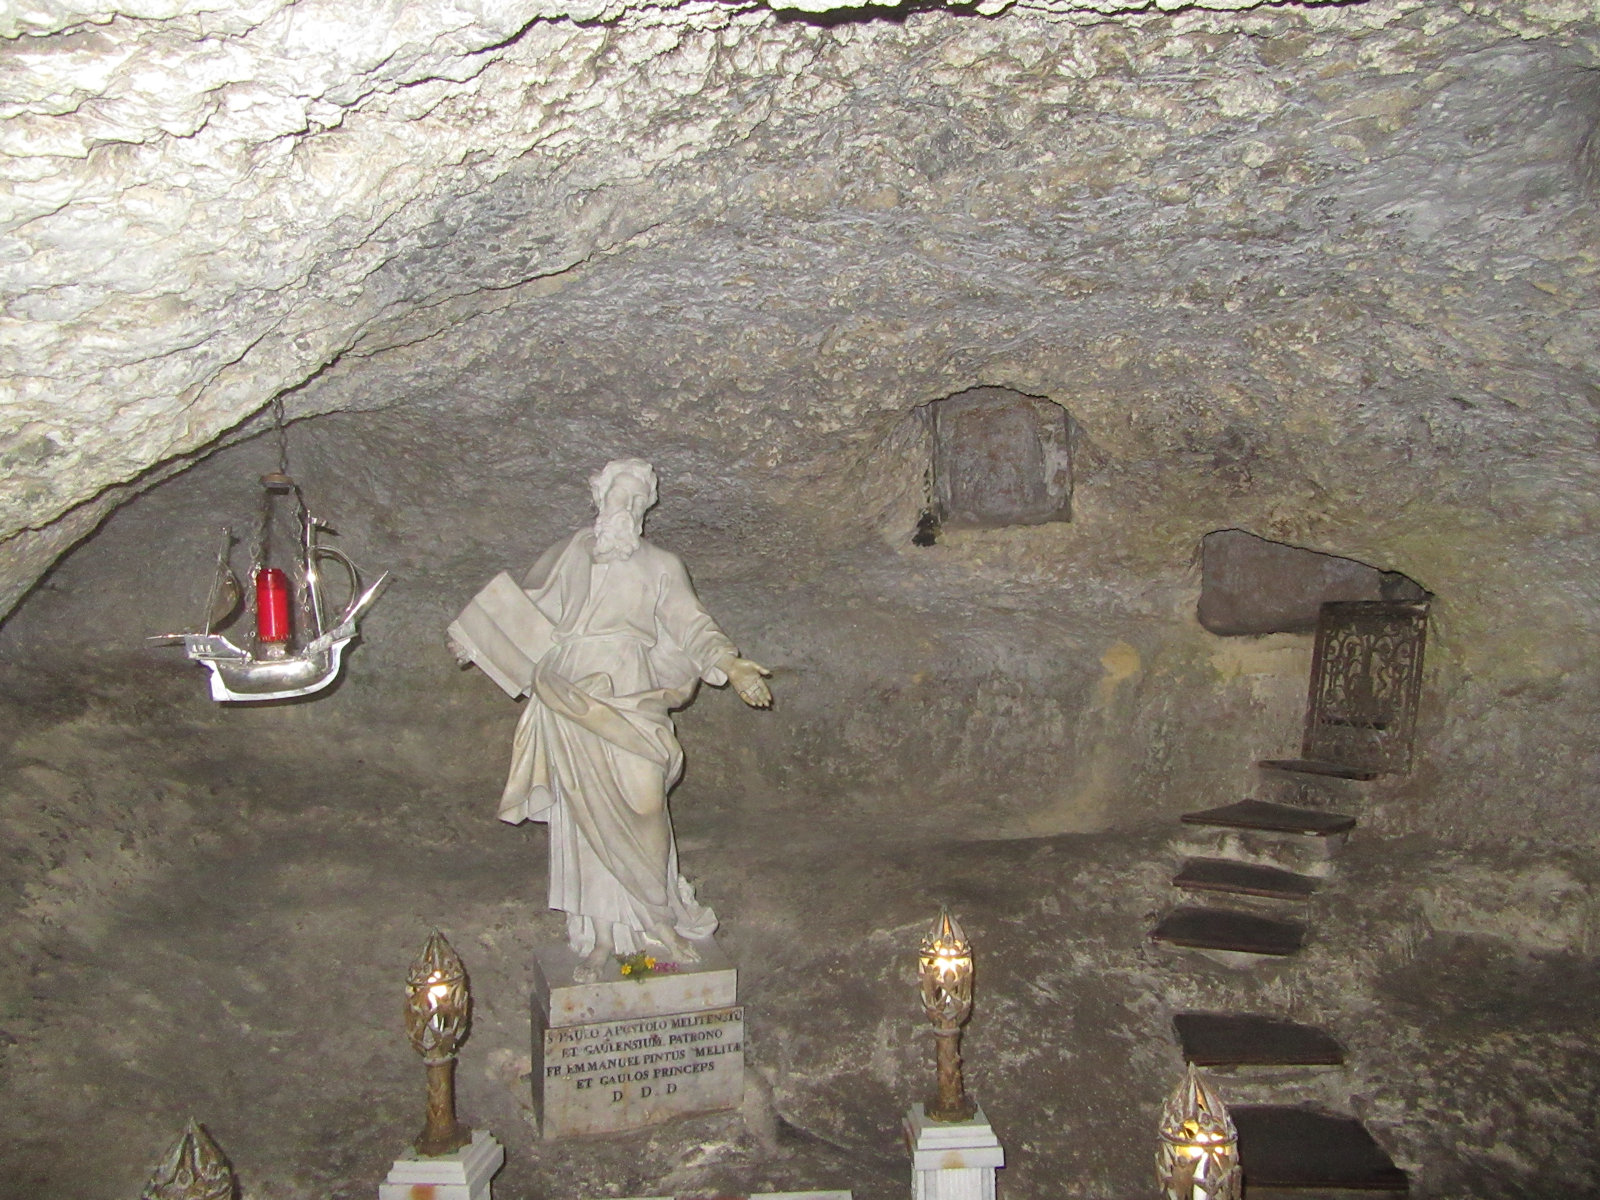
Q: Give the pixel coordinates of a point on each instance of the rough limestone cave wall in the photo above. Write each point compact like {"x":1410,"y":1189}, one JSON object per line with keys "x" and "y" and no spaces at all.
{"x":1323,"y":271}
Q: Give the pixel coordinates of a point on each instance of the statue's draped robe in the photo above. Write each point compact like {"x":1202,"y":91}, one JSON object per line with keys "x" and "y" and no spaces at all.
{"x":595,"y":752}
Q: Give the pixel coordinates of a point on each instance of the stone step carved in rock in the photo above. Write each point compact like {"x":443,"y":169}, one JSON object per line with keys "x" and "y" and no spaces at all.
{"x":1296,"y":1151}
{"x":1311,"y":766}
{"x":1211,"y":1039}
{"x":1314,"y":791}
{"x":1225,"y":929}
{"x":1268,"y":817}
{"x":1243,"y":879}
{"x":1288,"y":852}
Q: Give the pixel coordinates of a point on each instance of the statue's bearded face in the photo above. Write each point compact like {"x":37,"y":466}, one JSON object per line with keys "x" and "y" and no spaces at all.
{"x":620,"y":523}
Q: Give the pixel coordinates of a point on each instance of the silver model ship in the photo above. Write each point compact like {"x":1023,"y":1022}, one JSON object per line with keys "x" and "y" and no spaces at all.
{"x":280,"y":663}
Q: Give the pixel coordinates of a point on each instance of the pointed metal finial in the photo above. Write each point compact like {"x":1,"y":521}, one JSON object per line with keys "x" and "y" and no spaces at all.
{"x":195,"y":1169}
{"x":946,"y":937}
{"x":1198,"y":1154}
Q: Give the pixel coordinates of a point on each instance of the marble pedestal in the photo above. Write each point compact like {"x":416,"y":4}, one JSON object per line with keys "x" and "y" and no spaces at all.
{"x":621,"y":1053}
{"x":952,"y":1160}
{"x":464,"y":1175}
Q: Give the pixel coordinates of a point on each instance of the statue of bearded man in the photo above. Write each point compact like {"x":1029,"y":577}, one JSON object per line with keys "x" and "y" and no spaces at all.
{"x":595,"y":752}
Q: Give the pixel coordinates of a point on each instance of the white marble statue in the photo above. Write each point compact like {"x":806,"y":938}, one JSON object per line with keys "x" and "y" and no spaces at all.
{"x":614,"y":639}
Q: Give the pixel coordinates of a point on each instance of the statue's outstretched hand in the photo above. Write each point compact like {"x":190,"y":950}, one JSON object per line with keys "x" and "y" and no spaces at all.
{"x":746,"y":677}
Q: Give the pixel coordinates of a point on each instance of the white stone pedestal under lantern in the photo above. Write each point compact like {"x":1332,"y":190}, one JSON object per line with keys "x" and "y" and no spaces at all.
{"x":622,"y":1053}
{"x":952,"y":1160}
{"x":464,"y":1175}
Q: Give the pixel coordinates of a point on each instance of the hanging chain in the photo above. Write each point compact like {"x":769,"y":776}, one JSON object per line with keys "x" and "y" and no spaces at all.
{"x":261,"y":545}
{"x":283,"y":434}
{"x":302,"y":575}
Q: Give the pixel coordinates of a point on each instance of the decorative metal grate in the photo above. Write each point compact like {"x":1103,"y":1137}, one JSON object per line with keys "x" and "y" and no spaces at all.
{"x":1366,"y":680}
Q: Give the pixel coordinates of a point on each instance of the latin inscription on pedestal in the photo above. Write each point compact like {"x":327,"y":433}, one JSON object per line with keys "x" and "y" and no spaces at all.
{"x":624,"y":1074}
{"x":621,"y":1054}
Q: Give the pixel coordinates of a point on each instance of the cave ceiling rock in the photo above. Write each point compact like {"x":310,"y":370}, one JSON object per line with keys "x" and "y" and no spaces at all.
{"x":206,"y":205}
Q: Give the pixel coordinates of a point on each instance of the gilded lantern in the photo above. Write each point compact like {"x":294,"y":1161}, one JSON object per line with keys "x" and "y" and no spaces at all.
{"x":438,"y":1006}
{"x":1197,"y":1157}
{"x":944,"y":980}
{"x":438,"y":1010}
{"x":944,"y":972}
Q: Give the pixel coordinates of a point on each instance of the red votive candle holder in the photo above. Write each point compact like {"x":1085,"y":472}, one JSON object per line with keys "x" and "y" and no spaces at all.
{"x":272,"y":605}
